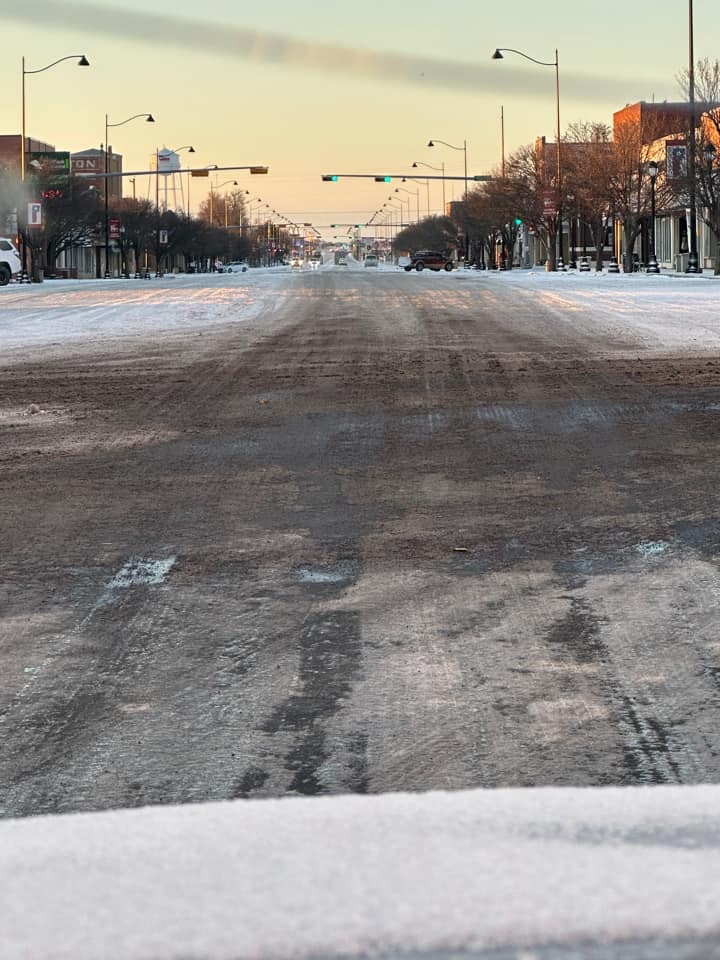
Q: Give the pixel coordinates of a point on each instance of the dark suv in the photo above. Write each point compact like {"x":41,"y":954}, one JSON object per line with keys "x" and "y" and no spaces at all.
{"x":430,"y":259}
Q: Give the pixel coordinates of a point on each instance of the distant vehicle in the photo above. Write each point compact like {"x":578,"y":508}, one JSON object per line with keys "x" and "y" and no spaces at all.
{"x":371,"y":260}
{"x":296,"y":262}
{"x":236,"y":266}
{"x":10,"y":263}
{"x":316,"y":260}
{"x":430,"y":259}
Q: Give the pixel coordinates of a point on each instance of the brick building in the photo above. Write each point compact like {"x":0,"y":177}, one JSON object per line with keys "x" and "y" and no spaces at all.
{"x":10,"y":147}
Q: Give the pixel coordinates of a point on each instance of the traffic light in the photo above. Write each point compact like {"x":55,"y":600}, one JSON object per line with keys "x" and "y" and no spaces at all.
{"x":518,"y":222}
{"x":333,"y":226}
{"x":383,"y":179}
{"x":330,"y":176}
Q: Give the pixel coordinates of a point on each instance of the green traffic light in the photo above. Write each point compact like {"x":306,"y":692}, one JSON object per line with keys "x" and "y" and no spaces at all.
{"x":518,"y":222}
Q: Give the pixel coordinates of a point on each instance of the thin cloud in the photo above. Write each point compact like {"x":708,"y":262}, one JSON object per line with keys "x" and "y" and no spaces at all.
{"x":464,"y":78}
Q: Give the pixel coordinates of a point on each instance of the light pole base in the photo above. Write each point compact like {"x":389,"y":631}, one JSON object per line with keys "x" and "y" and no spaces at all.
{"x":652,"y":266}
{"x":613,"y":267}
{"x":584,"y":265}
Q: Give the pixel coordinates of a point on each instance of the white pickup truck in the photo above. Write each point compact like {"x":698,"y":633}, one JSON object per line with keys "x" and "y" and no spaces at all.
{"x":10,"y":264}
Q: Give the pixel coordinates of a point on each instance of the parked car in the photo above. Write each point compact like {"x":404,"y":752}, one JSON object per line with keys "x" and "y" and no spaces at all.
{"x":236,"y":266}
{"x":371,"y":260}
{"x":10,"y":263}
{"x":430,"y":259}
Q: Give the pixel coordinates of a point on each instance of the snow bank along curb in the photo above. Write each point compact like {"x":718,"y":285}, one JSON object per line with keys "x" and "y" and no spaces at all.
{"x":350,"y":875}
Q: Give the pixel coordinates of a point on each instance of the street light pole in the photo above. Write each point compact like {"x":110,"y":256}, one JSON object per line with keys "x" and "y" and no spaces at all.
{"x":441,"y":168}
{"x":82,"y":61}
{"x":692,"y":266}
{"x":431,"y":143}
{"x":652,"y":266}
{"x":498,"y":55}
{"x":149,"y":119}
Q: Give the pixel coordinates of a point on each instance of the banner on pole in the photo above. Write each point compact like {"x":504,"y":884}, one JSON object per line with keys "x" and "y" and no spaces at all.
{"x":34,"y":215}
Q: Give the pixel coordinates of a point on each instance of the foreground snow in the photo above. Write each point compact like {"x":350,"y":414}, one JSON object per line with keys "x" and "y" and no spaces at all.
{"x":354,"y":875}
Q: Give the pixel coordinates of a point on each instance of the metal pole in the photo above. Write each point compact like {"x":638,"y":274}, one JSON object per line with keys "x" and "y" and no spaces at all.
{"x":106,"y":188}
{"x":22,"y":144}
{"x":23,"y":201}
{"x":559,"y":265}
{"x":502,"y":138}
{"x":692,"y":266}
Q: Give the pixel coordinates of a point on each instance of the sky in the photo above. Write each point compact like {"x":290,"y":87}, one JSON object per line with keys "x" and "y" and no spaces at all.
{"x":322,"y":87}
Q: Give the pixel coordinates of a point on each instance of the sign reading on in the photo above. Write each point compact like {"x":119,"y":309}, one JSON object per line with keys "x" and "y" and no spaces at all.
{"x":90,"y":164}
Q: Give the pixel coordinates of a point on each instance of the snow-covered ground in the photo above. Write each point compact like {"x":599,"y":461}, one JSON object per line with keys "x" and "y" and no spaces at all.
{"x":521,"y":870}
{"x":671,"y":312}
{"x":434,"y":874}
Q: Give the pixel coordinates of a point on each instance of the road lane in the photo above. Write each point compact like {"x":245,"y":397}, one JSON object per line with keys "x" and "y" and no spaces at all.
{"x":426,"y":532}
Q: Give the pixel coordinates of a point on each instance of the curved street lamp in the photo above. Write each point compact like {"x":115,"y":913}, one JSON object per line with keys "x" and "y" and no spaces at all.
{"x":431,"y":143}
{"x":464,"y":149}
{"x":412,"y":193}
{"x":498,"y":55}
{"x":82,"y":61}
{"x":218,"y":186}
{"x":148,"y":117}
{"x":441,"y":169}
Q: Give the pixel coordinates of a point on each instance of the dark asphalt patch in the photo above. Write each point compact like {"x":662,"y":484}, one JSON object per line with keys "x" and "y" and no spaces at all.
{"x":330,"y":662}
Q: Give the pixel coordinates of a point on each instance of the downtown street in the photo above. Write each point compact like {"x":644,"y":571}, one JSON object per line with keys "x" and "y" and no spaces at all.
{"x":351,"y":531}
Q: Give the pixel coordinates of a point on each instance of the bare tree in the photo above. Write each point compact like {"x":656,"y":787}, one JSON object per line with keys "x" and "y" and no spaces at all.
{"x":432,"y":233}
{"x":707,"y":146}
{"x":630,"y":181}
{"x":589,"y":171}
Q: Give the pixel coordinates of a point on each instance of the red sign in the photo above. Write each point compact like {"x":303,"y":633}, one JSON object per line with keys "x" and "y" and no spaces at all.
{"x":549,"y":204}
{"x":114,"y":229}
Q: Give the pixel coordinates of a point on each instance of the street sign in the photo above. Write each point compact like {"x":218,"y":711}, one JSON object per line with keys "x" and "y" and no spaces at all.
{"x":199,"y":173}
{"x":53,"y":160}
{"x":34,"y":215}
{"x":163,"y":238}
{"x":114,"y":229}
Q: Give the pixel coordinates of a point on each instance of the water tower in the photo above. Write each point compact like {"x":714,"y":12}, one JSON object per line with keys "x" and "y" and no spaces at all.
{"x":167,"y":164}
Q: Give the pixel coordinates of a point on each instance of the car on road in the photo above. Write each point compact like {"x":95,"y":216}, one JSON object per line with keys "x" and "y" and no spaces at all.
{"x":371,"y":260}
{"x":236,"y":266}
{"x":10,"y":263}
{"x":296,"y":262}
{"x":430,"y":259}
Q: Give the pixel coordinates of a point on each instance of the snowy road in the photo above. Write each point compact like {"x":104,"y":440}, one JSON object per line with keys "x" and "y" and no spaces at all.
{"x":337,"y":532}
